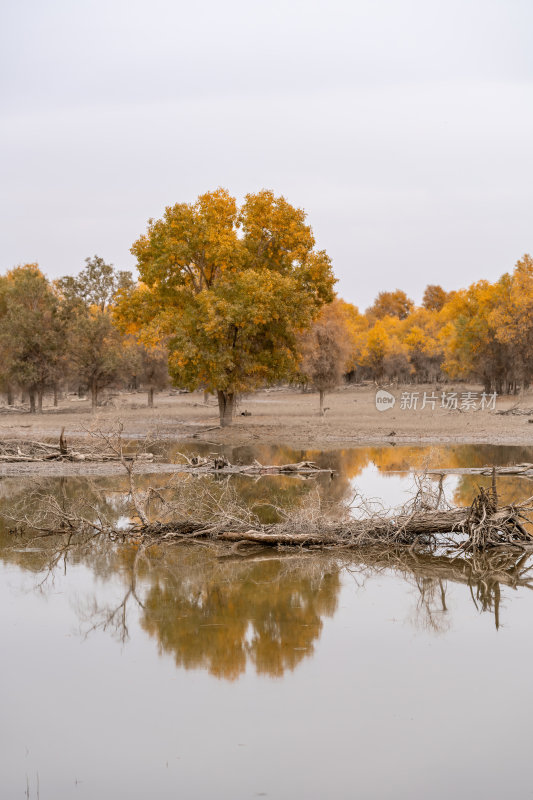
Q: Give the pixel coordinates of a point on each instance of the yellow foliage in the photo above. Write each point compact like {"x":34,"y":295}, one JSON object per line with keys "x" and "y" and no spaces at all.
{"x":484,"y":332}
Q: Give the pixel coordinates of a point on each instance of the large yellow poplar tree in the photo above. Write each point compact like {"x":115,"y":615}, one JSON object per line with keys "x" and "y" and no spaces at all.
{"x":229,"y":290}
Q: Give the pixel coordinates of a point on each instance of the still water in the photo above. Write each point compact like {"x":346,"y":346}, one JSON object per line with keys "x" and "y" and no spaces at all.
{"x":272,"y":674}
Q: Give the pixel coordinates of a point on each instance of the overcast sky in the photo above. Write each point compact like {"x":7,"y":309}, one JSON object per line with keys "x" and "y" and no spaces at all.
{"x":403,"y":127}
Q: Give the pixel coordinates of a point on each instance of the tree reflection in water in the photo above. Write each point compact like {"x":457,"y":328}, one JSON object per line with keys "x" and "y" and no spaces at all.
{"x":258,"y":610}
{"x":221,"y":615}
{"x":484,"y":574}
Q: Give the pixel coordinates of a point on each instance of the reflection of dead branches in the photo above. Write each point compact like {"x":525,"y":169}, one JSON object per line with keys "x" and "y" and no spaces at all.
{"x":191,"y":600}
{"x":114,"y":616}
{"x":431,"y":610}
{"x":483,"y":572}
{"x":206,"y":510}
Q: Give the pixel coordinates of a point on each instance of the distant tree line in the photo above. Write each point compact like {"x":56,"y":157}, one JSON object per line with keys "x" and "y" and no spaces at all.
{"x":60,"y":335}
{"x":482,"y":334}
{"x":233,"y":298}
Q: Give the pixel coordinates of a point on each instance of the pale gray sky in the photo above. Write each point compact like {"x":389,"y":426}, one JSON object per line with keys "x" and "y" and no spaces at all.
{"x":403,"y":127}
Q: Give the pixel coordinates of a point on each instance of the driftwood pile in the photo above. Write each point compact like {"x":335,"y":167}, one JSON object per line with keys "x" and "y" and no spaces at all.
{"x":197,"y":465}
{"x":424,"y":523}
{"x":30,"y":451}
{"x":472,"y":528}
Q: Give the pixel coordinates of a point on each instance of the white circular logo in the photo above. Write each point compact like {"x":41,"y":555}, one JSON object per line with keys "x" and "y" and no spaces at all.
{"x":384,"y":400}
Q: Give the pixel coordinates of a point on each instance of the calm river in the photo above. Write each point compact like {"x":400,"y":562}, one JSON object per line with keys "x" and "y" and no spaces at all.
{"x":279,"y":675}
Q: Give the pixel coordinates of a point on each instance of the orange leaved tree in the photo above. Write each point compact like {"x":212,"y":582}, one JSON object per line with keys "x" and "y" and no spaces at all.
{"x":228,"y":290}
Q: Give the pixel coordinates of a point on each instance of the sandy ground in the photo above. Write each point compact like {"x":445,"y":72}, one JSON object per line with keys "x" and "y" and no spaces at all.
{"x":285,"y":416}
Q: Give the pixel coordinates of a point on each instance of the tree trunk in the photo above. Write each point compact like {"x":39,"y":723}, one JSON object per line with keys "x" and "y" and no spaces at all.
{"x":32,"y":401}
{"x":56,"y":396}
{"x":40,"y":401}
{"x":94,"y":396}
{"x":225,"y":407}
{"x":151,"y":397}
{"x":206,"y":397}
{"x":321,"y":393}
{"x":374,"y":531}
{"x":10,"y":398}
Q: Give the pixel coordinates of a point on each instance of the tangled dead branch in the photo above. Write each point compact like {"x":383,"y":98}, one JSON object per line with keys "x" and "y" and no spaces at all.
{"x":204,"y":511}
{"x":30,"y":451}
{"x":194,"y":507}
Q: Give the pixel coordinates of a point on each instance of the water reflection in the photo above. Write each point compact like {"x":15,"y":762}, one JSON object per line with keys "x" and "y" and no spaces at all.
{"x":222,"y":616}
{"x":485,"y":577}
{"x":262,"y":611}
{"x":351,"y":463}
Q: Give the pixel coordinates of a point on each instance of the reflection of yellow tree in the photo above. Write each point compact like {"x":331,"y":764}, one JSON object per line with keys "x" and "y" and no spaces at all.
{"x":348,"y":463}
{"x":222,"y":616}
{"x":445,"y":456}
{"x":511,"y":488}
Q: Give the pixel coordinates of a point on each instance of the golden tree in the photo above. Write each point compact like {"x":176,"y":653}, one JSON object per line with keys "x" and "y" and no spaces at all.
{"x":95,"y":349}
{"x":229,"y":290}
{"x":434,"y":297}
{"x":471,"y":344}
{"x":390,"y":304}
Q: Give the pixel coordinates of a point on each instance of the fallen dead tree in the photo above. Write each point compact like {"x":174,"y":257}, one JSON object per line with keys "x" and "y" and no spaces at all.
{"x":197,"y":465}
{"x":464,"y":529}
{"x":12,"y":451}
{"x":207,"y":512}
{"x":425,"y":522}
{"x":524,"y":470}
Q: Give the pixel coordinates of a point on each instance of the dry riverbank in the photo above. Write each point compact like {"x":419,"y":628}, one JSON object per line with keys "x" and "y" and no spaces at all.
{"x":289,"y":417}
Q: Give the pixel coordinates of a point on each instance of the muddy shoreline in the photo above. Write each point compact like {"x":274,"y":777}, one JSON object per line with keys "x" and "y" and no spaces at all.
{"x":279,"y":416}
